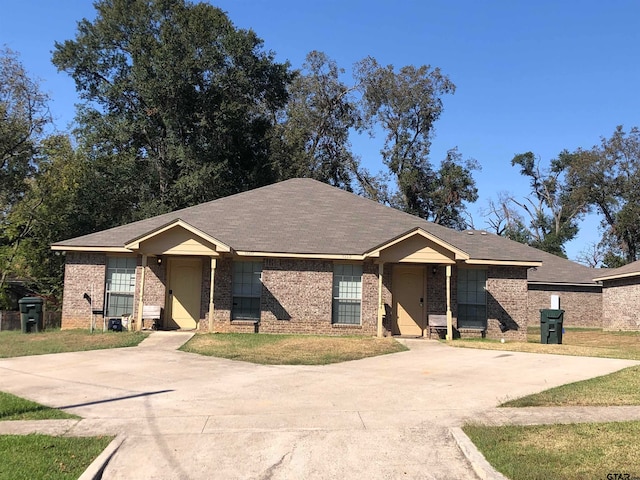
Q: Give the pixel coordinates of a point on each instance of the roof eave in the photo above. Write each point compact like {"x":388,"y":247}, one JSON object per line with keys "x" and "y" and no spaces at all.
{"x":616,"y":277}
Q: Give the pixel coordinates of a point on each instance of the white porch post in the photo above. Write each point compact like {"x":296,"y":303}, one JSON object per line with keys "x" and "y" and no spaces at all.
{"x":141,"y":295}
{"x":211,"y":288}
{"x":380,"y":299}
{"x":449,"y":318}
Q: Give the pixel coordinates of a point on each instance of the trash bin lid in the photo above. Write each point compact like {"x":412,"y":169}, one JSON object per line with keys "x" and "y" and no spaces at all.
{"x":24,"y":300}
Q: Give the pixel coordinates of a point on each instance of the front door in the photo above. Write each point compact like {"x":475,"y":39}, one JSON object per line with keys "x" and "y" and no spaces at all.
{"x":408,"y":300}
{"x":185,"y":282}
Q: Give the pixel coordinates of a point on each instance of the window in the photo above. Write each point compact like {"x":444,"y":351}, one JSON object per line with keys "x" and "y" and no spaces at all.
{"x":247,"y":289}
{"x":120,"y":286}
{"x":347,"y":294}
{"x":472,"y":298}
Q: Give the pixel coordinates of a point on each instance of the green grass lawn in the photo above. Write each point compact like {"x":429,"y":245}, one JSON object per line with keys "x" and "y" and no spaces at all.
{"x":561,"y":452}
{"x":290,"y":349}
{"x":18,"y":344}
{"x":16,"y":408}
{"x":587,"y":342}
{"x":618,"y":388}
{"x":577,"y":451}
{"x":30,"y":457}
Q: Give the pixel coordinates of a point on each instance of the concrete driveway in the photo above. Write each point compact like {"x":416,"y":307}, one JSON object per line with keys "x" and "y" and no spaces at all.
{"x":191,"y":417}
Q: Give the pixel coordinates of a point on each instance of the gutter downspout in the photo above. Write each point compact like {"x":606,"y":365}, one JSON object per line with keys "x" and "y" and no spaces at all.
{"x":449,"y":318}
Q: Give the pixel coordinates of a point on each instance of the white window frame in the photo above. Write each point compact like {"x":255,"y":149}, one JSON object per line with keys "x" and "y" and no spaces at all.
{"x":120,"y":282}
{"x":346,"y":292}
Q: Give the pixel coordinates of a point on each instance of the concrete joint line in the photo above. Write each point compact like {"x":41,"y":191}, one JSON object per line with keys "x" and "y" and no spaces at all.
{"x":483,"y":469}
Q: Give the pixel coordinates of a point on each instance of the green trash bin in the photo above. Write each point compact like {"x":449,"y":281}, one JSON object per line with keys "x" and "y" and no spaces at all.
{"x":31,"y":314}
{"x":551,"y":321}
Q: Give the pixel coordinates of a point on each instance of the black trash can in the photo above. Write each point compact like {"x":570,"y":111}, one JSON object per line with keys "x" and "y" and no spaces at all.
{"x":31,"y":314}
{"x":551,"y":321}
{"x":115,"y":324}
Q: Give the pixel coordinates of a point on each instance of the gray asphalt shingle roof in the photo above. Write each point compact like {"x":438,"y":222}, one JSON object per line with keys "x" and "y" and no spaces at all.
{"x":304,"y":216}
{"x":630,"y":270}
{"x":559,"y":270}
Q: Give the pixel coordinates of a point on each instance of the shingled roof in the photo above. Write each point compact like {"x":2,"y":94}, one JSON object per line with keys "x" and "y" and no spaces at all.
{"x":560,"y":271}
{"x":304,"y":216}
{"x":630,"y":270}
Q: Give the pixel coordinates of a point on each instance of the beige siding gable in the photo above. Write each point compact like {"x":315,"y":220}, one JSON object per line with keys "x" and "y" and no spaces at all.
{"x":177,"y":241}
{"x":417,"y":249}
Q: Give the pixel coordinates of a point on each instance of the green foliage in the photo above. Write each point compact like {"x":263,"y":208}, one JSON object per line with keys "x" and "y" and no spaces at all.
{"x":405,"y":105}
{"x":313,"y":139}
{"x":607,"y":177}
{"x":178,"y":102}
{"x":548,"y":217}
{"x":23,"y":118}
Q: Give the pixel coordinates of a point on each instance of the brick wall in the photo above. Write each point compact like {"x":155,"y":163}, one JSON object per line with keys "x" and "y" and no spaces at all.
{"x":582,"y":305}
{"x":621,"y":304}
{"x":83,"y":271}
{"x":507,"y":302}
{"x":296,"y":298}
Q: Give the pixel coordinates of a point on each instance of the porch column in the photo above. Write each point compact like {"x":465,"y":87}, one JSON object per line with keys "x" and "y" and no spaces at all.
{"x":449,"y":318}
{"x":380,"y":299}
{"x":140,"y":298}
{"x":211,"y":287}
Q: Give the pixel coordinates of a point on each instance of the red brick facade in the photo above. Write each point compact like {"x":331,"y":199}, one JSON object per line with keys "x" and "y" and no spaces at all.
{"x":582,"y":305}
{"x":507,"y":303}
{"x":621,"y":302}
{"x":83,"y":289}
{"x":296,"y":296}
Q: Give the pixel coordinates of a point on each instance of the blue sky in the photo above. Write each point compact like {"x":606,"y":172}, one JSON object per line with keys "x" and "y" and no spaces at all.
{"x":530,"y":75}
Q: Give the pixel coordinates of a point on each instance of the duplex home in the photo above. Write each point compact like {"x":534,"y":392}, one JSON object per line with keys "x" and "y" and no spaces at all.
{"x":299,"y":256}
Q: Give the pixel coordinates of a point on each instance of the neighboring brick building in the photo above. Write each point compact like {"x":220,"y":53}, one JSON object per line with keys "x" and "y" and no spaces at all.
{"x":580,"y":296}
{"x":299,"y":257}
{"x":621,"y":297}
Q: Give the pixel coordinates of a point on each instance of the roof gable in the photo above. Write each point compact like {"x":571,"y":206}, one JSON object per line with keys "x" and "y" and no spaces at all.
{"x":177,"y":237}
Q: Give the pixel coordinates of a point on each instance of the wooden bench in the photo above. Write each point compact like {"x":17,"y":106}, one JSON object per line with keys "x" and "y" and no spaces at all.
{"x":151,"y":312}
{"x":437,"y":323}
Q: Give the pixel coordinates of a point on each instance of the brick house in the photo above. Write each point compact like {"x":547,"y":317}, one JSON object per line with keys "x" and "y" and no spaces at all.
{"x":299,"y":256}
{"x":621,"y":297}
{"x":580,"y":295}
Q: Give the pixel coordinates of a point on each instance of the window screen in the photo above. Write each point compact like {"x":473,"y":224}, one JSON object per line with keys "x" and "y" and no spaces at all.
{"x":472,"y":298}
{"x":347,"y":293}
{"x":247,"y":290}
{"x":120,"y":286}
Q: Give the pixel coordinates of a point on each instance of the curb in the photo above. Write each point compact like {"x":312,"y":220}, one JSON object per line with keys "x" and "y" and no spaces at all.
{"x":96,"y":469}
{"x":483,"y":469}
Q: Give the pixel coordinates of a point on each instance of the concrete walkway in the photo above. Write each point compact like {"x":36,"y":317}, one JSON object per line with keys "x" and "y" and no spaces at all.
{"x":186,"y":416}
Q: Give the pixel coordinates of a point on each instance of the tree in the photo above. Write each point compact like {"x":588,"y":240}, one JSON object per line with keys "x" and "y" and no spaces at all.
{"x":176,"y":98}
{"x":405,"y":105}
{"x":23,"y":118}
{"x":551,"y":211}
{"x":607,"y":177}
{"x":314,"y":136}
